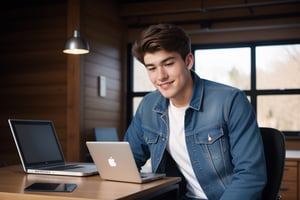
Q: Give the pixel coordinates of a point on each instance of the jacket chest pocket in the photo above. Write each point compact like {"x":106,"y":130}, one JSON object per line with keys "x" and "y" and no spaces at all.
{"x":151,"y":138}
{"x":213,"y":142}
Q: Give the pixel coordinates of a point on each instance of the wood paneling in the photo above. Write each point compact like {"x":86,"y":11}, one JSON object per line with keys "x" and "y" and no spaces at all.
{"x":218,"y":21}
{"x":38,"y":81}
{"x":33,"y":70}
{"x":73,"y":87}
{"x":102,"y":27}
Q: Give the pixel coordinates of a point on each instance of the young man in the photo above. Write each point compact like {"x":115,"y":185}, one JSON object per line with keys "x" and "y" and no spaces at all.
{"x":204,"y":130}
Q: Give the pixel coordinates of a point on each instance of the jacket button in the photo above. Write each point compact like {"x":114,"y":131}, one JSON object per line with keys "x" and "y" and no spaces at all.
{"x":209,"y":138}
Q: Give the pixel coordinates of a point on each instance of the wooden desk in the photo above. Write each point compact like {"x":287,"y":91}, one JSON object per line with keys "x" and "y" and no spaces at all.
{"x":13,"y":181}
{"x":290,"y":185}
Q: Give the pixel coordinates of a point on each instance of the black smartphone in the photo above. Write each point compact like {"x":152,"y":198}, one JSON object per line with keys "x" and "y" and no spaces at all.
{"x":51,"y":187}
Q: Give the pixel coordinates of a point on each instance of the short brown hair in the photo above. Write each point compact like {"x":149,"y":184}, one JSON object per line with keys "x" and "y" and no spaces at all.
{"x":162,"y":37}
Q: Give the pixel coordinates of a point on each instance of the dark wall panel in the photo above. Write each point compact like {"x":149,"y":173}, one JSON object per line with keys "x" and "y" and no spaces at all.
{"x":33,"y":70}
{"x":103,"y":29}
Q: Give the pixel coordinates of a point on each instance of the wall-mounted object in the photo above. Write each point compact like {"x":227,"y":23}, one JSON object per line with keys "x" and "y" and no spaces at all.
{"x":76,"y":44}
{"x":102,"y":86}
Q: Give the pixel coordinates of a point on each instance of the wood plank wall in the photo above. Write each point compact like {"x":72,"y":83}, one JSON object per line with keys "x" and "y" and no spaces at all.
{"x":34,"y":79}
{"x":33,"y":70}
{"x":105,"y":34}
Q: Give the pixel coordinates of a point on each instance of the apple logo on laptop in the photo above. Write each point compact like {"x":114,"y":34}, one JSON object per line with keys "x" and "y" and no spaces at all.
{"x":112,"y":162}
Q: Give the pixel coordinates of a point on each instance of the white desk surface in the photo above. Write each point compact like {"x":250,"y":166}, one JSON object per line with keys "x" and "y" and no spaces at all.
{"x":292,"y":154}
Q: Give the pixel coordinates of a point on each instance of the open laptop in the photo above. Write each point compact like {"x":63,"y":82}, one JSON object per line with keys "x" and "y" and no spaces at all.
{"x":115,"y":162}
{"x":40,"y":151}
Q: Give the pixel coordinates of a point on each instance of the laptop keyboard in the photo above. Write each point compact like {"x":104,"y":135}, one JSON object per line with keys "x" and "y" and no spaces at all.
{"x":64,"y":167}
{"x":146,"y":175}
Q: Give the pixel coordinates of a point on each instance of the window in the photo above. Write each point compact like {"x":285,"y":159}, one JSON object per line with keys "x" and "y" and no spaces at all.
{"x":278,"y":67}
{"x":279,"y":111}
{"x":141,"y":81}
{"x":231,"y":66}
{"x":141,"y":84}
{"x":267,"y":72}
{"x":278,"y":72}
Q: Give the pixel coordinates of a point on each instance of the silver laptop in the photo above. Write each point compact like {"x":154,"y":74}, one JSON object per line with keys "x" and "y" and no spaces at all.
{"x":115,"y":162}
{"x":40,"y":151}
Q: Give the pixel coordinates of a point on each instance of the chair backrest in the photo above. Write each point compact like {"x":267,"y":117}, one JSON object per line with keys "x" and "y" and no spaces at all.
{"x":106,"y":134}
{"x":274,"y":147}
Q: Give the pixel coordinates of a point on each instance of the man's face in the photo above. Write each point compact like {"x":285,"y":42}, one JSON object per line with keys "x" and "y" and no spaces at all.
{"x":170,"y":74}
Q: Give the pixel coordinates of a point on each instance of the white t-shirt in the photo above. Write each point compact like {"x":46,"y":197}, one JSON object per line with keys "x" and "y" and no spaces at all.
{"x":178,"y":150}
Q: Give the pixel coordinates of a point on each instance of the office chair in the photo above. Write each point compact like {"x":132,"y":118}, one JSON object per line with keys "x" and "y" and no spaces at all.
{"x":274,"y":147}
{"x":106,"y":134}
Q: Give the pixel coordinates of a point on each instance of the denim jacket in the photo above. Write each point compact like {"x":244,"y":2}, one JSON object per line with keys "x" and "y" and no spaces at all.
{"x":222,"y":138}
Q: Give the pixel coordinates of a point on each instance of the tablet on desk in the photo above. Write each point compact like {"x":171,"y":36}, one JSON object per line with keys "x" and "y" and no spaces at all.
{"x":50,"y":187}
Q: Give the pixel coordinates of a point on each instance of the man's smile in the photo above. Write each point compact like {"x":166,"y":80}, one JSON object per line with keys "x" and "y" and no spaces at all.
{"x":165,"y":85}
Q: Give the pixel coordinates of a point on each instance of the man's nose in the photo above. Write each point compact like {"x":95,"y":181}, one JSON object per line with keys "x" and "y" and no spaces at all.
{"x":161,"y":73}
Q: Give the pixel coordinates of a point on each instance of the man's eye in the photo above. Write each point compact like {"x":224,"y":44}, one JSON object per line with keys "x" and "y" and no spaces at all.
{"x":150,"y":68}
{"x":169,"y":64}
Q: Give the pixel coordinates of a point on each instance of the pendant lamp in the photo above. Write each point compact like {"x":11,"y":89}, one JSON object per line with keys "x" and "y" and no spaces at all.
{"x":76,"y":44}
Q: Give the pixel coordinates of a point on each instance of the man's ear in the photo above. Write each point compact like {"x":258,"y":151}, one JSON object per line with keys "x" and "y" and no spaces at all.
{"x":189,"y":61}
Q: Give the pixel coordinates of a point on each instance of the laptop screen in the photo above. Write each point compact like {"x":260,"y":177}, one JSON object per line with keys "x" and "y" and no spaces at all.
{"x":37,"y":142}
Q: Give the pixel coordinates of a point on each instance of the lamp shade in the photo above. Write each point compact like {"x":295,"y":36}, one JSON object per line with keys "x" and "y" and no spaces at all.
{"x":76,"y":44}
